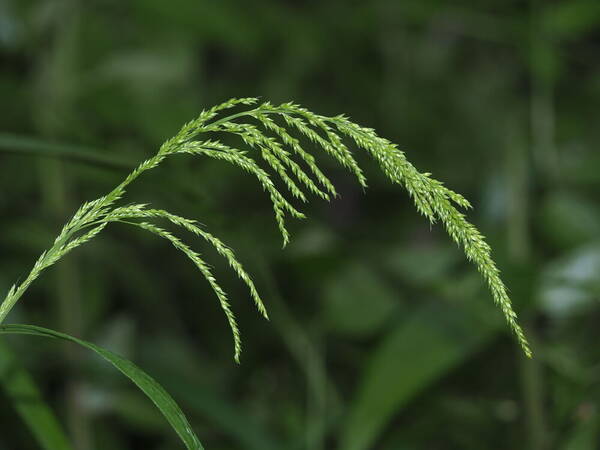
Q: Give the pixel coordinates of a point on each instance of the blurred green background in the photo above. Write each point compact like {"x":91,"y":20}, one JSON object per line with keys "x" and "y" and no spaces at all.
{"x":381,"y":336}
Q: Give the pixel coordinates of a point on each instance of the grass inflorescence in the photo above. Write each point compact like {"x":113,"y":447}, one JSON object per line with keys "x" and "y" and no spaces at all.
{"x":279,"y":135}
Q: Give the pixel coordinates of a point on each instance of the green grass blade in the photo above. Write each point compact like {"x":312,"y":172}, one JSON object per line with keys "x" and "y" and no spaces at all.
{"x":163,"y":401}
{"x":433,"y":350}
{"x":222,"y":412}
{"x":28,"y":146}
{"x":29,"y":404}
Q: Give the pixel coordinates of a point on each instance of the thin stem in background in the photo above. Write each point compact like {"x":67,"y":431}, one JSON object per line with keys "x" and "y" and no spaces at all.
{"x":541,"y":102}
{"x":56,"y":88}
{"x":546,"y":161}
{"x":520,"y":255}
{"x":311,"y":361}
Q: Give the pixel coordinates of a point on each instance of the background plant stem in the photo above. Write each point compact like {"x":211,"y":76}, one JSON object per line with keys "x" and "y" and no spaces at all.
{"x":57,"y":87}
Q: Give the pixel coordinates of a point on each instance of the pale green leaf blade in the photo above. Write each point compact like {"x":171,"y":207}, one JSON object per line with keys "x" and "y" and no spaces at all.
{"x":409,"y":360}
{"x":21,"y":389}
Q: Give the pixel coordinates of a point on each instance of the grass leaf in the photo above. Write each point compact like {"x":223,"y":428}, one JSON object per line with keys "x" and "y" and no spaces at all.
{"x":163,"y":401}
{"x":433,"y":349}
{"x":21,"y":389}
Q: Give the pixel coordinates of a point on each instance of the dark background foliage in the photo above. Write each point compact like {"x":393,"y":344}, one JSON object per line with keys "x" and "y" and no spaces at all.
{"x":382,"y":335}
